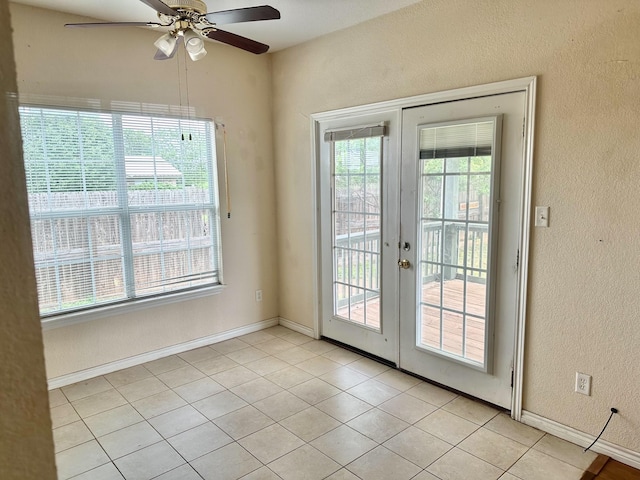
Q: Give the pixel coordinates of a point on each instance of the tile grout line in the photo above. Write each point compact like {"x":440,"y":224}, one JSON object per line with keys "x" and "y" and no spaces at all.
{"x":317,"y":376}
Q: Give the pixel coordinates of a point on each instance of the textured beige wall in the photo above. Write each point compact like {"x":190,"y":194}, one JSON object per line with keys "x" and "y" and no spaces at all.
{"x":584,"y":302}
{"x":26,"y":442}
{"x":117,"y":65}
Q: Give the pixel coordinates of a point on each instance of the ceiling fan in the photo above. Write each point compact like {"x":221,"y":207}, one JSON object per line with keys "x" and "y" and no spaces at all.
{"x":189,"y":22}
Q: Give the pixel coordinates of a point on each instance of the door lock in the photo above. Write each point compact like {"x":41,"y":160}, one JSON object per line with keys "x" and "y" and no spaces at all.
{"x":404,"y":263}
{"x":405,"y":246}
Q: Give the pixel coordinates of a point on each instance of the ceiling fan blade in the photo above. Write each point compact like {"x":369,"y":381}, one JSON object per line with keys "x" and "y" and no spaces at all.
{"x":113,"y":24}
{"x":161,"y":7}
{"x":238,"y":15}
{"x":161,"y":56}
{"x":237,"y":41}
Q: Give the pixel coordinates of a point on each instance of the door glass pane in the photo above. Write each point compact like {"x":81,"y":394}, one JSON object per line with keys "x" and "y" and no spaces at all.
{"x":431,"y":238}
{"x":432,"y":197}
{"x":457,"y":164}
{"x":452,"y":332}
{"x":356,"y":220}
{"x":453,"y":268}
{"x":431,"y":284}
{"x":474,"y":338}
{"x":430,"y":327}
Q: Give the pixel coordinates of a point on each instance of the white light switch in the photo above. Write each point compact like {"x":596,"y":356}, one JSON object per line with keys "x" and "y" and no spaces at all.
{"x":542,"y":216}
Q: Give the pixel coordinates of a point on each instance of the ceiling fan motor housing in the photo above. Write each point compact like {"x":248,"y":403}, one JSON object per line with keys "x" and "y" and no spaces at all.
{"x":194,"y":5}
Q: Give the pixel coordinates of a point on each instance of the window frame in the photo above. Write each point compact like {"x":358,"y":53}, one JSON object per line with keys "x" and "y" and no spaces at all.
{"x":125,"y":213}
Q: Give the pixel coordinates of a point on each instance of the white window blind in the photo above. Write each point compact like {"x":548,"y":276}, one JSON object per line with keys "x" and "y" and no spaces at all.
{"x":122,"y":206}
{"x":457,"y":141}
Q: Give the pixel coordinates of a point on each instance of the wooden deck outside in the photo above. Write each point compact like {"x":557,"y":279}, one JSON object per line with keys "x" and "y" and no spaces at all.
{"x":453,"y":331}
{"x":604,"y":468}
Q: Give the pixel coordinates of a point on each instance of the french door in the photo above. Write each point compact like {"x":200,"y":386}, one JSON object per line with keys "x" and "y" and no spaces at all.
{"x":359,"y":235}
{"x":461,"y":171}
{"x":420,"y":227}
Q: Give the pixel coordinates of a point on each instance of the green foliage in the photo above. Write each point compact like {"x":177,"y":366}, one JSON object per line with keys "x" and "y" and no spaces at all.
{"x":474,"y":175}
{"x":357,"y":169}
{"x":66,"y":151}
{"x":68,"y":305}
{"x":74,"y":150}
{"x":354,"y":156}
{"x":153,"y":186}
{"x":183,"y":147}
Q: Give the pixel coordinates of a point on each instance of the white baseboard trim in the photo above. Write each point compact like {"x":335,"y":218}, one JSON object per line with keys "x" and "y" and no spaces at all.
{"x":572,"y":435}
{"x":110,"y":367}
{"x":297,"y":327}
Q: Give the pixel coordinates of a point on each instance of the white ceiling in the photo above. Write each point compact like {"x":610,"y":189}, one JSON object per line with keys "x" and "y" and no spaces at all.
{"x":301,"y":20}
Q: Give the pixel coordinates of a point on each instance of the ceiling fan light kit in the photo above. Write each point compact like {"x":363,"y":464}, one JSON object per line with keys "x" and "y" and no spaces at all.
{"x":189,"y":21}
{"x":194,"y":45}
{"x":167,"y":43}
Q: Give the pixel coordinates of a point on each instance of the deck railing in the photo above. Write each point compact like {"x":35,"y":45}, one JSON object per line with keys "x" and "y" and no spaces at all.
{"x":357,"y":266}
{"x":357,"y":258}
{"x":454,"y":250}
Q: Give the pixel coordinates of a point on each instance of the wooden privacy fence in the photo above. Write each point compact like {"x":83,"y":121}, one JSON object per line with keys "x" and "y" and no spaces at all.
{"x":78,"y":242}
{"x":354,"y":212}
{"x":74,"y":201}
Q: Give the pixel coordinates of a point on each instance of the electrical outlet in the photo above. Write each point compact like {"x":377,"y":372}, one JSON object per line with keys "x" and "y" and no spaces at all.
{"x":583,"y":383}
{"x":258,"y":295}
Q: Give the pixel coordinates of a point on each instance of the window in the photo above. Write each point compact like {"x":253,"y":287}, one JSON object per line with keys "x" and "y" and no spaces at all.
{"x":356,"y":219}
{"x":122,"y":206}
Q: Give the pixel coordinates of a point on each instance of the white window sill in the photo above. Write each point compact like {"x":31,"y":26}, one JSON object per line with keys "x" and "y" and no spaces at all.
{"x":72,"y":318}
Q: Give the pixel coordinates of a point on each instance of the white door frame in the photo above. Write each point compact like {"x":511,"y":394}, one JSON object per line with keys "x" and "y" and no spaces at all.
{"x":527,"y":85}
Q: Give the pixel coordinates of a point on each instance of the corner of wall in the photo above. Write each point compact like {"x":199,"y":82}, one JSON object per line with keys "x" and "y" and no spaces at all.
{"x":26,"y":441}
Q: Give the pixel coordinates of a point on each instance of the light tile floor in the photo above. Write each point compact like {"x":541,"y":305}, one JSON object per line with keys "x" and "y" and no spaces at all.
{"x":276,"y":404}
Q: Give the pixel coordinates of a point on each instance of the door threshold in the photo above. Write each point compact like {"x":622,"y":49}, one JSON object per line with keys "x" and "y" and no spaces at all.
{"x":457,"y":392}
{"x":393,"y":365}
{"x":371,"y":356}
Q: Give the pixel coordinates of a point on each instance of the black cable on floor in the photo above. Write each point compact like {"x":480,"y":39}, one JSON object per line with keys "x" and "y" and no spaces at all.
{"x":613,"y":411}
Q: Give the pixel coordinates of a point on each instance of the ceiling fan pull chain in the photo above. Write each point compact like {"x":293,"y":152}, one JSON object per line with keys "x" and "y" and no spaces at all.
{"x":186,"y":82}
{"x":179,"y":90}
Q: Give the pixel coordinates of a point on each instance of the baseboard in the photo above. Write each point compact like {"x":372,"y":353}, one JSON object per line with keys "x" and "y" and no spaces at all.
{"x":110,"y":367}
{"x":297,"y":327}
{"x":624,"y":455}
